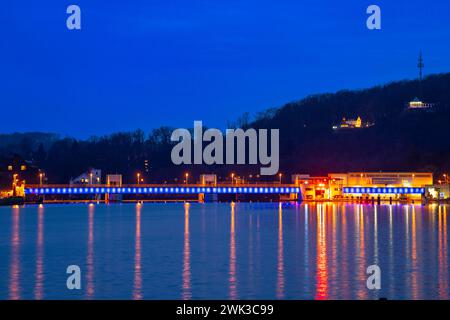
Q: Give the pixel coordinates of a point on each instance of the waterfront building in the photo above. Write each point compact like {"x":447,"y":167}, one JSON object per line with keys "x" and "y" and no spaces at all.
{"x":317,"y":188}
{"x":372,"y":185}
{"x":393,"y":179}
{"x":91,"y":176}
{"x":337,"y":183}
{"x":437,"y":192}
{"x":208,"y":180}
{"x":387,"y":185}
{"x":24,"y":170}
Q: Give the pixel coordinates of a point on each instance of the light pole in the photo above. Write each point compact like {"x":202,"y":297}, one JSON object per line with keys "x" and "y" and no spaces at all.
{"x":232,"y":178}
{"x":14,"y":183}
{"x":187,"y":177}
{"x":90,"y":178}
{"x":280,"y":175}
{"x":138,"y":178}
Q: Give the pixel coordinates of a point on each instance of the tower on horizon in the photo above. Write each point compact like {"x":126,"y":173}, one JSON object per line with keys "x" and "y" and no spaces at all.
{"x":417,"y":103}
{"x":420,"y":65}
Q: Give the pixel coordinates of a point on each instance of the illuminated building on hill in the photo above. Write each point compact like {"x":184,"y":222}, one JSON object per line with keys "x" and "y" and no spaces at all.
{"x":416,"y":104}
{"x":352,"y":124}
{"x":354,"y":185}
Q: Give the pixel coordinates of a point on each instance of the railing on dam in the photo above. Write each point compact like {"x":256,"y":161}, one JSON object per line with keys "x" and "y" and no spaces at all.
{"x":383,"y":190}
{"x":162,"y":189}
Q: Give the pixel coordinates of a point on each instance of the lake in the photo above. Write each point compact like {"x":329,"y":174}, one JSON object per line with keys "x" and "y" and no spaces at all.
{"x":224,"y":251}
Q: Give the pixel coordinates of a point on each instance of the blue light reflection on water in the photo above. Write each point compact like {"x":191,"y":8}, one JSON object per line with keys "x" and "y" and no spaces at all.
{"x":224,"y":251}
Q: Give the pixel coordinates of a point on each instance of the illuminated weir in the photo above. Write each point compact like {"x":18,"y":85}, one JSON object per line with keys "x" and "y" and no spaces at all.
{"x":204,"y":193}
{"x":159,"y":190}
{"x":353,"y":185}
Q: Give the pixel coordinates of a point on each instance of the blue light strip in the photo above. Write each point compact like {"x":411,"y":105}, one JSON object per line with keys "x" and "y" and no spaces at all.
{"x":161,"y":190}
{"x":390,"y":190}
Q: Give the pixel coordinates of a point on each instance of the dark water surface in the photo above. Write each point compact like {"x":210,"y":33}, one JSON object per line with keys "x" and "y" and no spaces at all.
{"x":224,"y":251}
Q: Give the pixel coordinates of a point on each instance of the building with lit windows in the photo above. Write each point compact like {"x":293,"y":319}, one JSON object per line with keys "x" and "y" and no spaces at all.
{"x":313,"y":188}
{"x":320,"y":188}
{"x":92,"y":176}
{"x":364,"y":185}
{"x":387,"y":185}
{"x":23,"y":169}
{"x":416,"y":104}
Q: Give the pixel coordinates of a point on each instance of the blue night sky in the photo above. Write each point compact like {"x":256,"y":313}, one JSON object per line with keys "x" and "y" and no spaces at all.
{"x":148,"y":63}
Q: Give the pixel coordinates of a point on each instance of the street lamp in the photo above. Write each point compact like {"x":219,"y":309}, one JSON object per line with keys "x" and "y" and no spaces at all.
{"x":232,"y":178}
{"x":90,"y":178}
{"x":41,"y":175}
{"x":187,"y":177}
{"x":280,"y":175}
{"x":138,"y":178}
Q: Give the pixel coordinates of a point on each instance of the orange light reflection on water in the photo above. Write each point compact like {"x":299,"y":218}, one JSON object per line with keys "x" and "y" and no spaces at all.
{"x":137,"y":290}
{"x":442,"y":254}
{"x":321,"y":267}
{"x":344,"y":250}
{"x":39,"y":282}
{"x":361,"y":251}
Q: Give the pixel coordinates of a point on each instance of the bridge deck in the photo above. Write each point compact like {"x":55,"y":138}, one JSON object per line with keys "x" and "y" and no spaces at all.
{"x":383,"y":190}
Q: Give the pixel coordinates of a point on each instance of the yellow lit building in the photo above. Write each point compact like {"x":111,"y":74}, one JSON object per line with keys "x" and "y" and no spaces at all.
{"x":320,"y":188}
{"x":387,"y":185}
{"x":438,"y":192}
{"x":386,"y":179}
{"x":416,"y":104}
{"x":352,"y":124}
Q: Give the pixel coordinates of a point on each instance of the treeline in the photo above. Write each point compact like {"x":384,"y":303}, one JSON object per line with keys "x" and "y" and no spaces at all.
{"x":25,"y":143}
{"x":400,"y":140}
{"x":123,"y":152}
